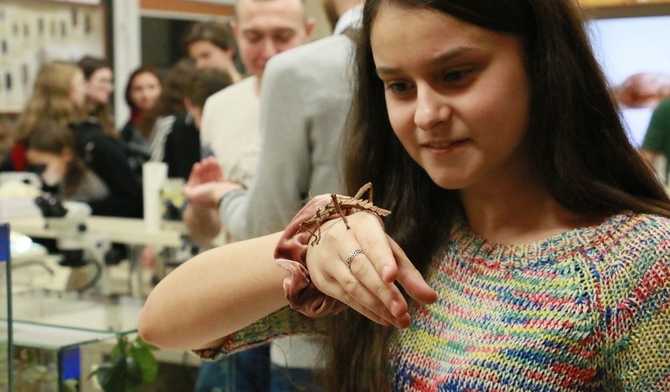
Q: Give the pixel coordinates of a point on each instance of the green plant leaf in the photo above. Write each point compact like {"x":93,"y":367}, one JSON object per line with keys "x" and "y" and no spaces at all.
{"x":133,"y":373}
{"x":131,"y":364}
{"x":121,"y":347}
{"x":112,"y":375}
{"x":147,"y":363}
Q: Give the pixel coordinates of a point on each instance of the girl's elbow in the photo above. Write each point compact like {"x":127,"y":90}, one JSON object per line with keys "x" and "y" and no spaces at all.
{"x":148,"y":330}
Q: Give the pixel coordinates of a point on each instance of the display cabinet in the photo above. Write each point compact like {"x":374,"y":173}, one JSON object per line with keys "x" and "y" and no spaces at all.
{"x":53,"y":359}
{"x":59,"y":338}
{"x":5,"y":311}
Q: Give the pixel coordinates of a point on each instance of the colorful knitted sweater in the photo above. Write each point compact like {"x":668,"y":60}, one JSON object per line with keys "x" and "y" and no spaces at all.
{"x":587,"y":310}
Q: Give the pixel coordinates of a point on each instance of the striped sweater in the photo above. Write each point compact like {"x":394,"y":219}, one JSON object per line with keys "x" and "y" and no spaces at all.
{"x":587,"y":310}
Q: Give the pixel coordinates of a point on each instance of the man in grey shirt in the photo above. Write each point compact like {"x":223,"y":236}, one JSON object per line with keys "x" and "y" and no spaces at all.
{"x":305,"y":101}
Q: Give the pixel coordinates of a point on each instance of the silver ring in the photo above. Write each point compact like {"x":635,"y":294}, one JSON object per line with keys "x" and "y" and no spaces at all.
{"x":351,"y":256}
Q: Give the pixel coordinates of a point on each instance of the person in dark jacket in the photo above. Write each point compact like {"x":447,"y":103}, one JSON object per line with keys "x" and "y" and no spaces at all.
{"x":59,"y":96}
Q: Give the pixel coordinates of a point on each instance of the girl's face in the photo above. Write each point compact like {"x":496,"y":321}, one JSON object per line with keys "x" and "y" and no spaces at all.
{"x":55,"y":165}
{"x":99,"y":86}
{"x":457,"y":95}
{"x":78,"y":90}
{"x":144,"y":91}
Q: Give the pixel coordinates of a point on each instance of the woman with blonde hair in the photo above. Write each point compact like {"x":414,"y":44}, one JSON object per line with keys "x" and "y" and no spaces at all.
{"x":59,"y":93}
{"x":59,"y":97}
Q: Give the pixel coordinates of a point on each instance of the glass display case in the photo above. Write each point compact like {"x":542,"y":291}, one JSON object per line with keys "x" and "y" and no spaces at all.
{"x":5,"y":311}
{"x":53,"y":340}
{"x":59,"y":338}
{"x":52,"y":359}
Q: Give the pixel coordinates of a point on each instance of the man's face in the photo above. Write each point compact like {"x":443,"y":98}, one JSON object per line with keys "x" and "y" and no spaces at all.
{"x":267,"y":27}
{"x":207,"y":55}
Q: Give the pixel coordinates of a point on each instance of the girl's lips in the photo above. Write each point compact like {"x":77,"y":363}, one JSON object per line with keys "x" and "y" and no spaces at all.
{"x":444,"y":146}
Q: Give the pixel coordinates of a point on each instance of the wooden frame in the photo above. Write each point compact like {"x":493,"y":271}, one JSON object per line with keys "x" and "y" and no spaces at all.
{"x":34,"y":31}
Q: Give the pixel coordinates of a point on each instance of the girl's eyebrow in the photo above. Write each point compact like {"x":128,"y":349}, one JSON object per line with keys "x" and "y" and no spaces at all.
{"x":441,"y":59}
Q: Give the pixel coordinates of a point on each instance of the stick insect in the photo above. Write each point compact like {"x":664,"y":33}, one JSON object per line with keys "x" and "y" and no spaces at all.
{"x":338,"y":205}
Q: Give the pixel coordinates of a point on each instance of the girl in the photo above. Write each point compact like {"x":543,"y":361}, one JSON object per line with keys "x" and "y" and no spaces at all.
{"x":59,"y":96}
{"x":538,"y":234}
{"x":142,"y":92}
{"x":52,"y":149}
{"x":99,"y":88}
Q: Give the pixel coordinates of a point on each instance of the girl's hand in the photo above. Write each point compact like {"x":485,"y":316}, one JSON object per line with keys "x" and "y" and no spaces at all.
{"x":367,"y":284}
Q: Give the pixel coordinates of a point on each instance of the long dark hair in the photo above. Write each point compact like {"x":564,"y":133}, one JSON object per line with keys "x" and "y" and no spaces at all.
{"x":171,"y":100}
{"x":578,"y":144}
{"x":101,"y":113}
{"x":137,"y":117}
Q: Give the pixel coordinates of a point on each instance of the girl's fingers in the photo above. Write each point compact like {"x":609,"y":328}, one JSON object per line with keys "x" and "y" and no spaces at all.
{"x":364,"y":291}
{"x":367,"y":284}
{"x":353,"y":293}
{"x":410,"y":278}
{"x":363,"y":283}
{"x":368,"y":268}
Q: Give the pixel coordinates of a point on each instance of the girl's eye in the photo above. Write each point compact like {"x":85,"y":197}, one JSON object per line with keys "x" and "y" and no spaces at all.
{"x":398,"y":87}
{"x":455,"y":76}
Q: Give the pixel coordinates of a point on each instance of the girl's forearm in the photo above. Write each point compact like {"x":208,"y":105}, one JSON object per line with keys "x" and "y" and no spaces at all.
{"x":214,"y":294}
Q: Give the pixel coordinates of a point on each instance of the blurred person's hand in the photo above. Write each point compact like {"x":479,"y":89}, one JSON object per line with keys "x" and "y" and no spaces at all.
{"x":643,"y":90}
{"x":206,"y":184}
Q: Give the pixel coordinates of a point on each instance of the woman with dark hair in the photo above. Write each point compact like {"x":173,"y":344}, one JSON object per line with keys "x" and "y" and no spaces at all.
{"x":142,"y":92}
{"x":160,"y":119}
{"x":99,"y":88}
{"x":527,"y":244}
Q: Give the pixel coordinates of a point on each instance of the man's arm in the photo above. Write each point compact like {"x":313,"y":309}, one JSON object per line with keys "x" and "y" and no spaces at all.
{"x":203,"y":223}
{"x":283,"y":170}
